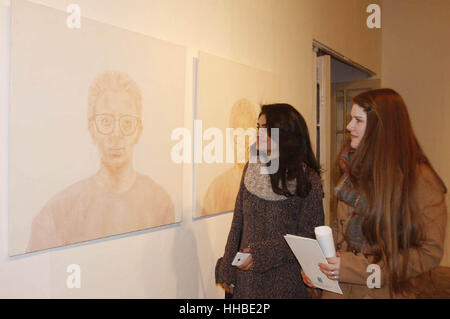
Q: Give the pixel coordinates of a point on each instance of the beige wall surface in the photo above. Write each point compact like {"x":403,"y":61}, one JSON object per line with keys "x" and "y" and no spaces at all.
{"x":178,"y":261}
{"x":416,"y":63}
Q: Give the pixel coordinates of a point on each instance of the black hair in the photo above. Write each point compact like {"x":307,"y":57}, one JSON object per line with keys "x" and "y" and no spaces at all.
{"x":295,"y":151}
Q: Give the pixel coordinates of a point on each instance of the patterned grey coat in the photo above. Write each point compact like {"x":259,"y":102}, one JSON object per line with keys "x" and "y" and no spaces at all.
{"x":261,"y":219}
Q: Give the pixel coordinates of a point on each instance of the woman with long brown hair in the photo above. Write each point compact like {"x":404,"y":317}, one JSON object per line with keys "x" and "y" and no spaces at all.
{"x":391,"y":204}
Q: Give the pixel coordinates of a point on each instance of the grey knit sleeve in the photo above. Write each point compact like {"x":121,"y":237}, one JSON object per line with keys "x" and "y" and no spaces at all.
{"x":225,"y":272}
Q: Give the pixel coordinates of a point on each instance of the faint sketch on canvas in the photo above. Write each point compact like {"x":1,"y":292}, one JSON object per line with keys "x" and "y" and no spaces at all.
{"x":94,"y":108}
{"x":221,"y":194}
{"x":116,"y":199}
{"x":229,"y":97}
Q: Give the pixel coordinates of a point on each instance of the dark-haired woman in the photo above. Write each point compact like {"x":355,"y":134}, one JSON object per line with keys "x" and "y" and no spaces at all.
{"x":269,"y":206}
{"x":391,"y":204}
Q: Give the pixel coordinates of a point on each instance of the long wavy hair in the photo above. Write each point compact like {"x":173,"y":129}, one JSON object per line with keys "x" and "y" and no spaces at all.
{"x":385,"y":166}
{"x":294,"y":149}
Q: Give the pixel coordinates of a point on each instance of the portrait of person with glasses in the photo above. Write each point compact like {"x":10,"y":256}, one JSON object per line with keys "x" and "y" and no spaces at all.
{"x":116,"y":199}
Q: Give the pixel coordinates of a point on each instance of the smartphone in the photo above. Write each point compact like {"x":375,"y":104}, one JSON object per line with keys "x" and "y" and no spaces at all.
{"x":240,"y":258}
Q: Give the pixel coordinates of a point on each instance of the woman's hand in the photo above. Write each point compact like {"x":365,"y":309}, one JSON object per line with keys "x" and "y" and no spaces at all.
{"x":307,"y":281}
{"x":248,"y":264}
{"x":332,"y":269}
{"x":227,"y":288}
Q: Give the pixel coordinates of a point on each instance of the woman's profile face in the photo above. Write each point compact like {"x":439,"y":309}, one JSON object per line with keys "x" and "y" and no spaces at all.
{"x":357,"y":125}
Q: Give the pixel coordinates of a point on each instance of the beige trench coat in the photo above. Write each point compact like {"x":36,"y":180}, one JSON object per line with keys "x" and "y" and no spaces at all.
{"x":428,"y":198}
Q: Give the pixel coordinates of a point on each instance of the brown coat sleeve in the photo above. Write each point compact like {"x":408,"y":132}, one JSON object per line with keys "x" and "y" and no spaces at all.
{"x":429,"y":202}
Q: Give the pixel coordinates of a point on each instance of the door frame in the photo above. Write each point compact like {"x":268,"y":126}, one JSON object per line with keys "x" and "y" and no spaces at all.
{"x":322,"y":77}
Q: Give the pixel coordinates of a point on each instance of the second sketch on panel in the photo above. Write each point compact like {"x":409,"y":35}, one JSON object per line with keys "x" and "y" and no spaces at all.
{"x":229,"y":96}
{"x":222,"y":192}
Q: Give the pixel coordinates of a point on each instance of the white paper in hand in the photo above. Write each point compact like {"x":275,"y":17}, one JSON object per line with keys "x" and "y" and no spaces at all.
{"x":324,"y":237}
{"x":309,"y":255}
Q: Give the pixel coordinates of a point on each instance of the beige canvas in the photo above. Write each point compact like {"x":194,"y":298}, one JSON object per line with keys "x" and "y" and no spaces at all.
{"x":229,"y":96}
{"x":91,"y":115}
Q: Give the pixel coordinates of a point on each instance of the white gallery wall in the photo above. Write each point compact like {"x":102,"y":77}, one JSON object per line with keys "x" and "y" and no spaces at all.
{"x":178,"y":261}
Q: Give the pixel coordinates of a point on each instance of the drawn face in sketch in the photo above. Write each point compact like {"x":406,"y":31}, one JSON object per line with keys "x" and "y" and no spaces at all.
{"x":243,"y":115}
{"x":115,"y":125}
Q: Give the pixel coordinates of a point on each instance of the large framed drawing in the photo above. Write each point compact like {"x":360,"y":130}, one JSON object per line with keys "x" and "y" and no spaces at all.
{"x":229,"y":97}
{"x":91,"y":114}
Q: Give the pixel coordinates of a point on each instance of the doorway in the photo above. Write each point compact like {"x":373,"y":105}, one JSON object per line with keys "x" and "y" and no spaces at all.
{"x":337,"y":80}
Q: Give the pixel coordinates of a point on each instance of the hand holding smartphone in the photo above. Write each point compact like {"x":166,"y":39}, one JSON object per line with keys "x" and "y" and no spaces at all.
{"x":240,"y":258}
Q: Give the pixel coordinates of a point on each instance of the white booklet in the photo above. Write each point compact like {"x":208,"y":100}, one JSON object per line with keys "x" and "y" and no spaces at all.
{"x":309,"y":255}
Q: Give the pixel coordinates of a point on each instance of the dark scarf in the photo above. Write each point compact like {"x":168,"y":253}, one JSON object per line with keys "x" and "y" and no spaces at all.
{"x":350,"y":194}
